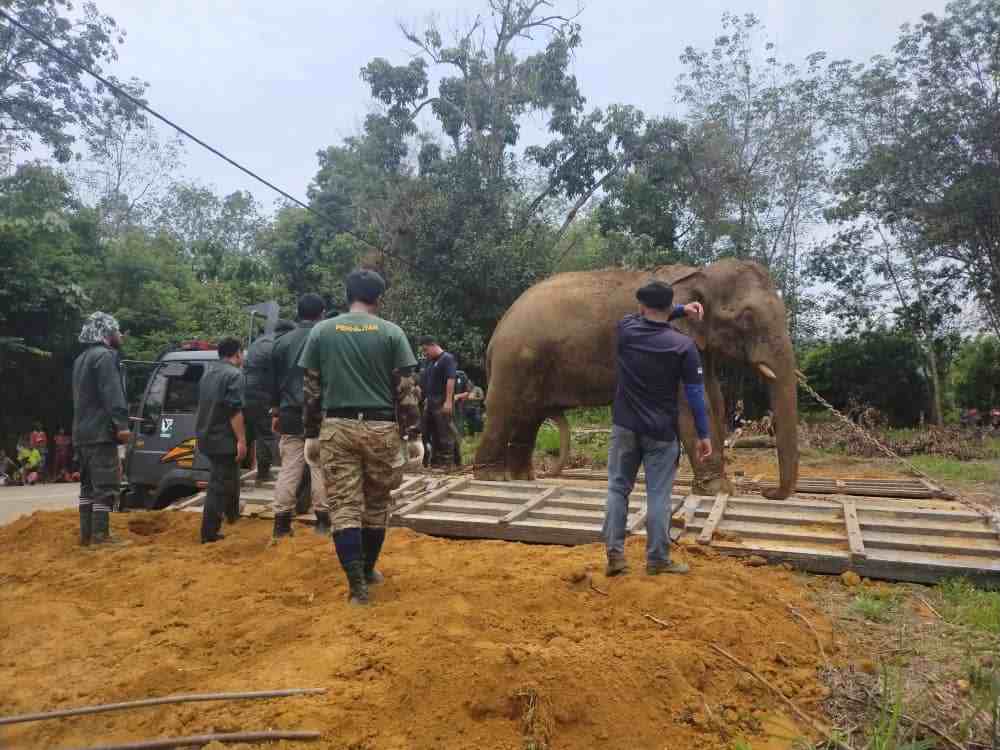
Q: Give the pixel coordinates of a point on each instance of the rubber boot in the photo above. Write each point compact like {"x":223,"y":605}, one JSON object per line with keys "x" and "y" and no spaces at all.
{"x":323,"y":524}
{"x":86,"y":524}
{"x":356,"y":580}
{"x":282,"y":526}
{"x":348,"y":543}
{"x":102,"y":530}
{"x":372,"y":541}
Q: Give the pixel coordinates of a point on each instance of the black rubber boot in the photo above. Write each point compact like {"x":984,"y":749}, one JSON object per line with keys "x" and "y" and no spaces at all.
{"x":372,"y":541}
{"x":282,"y":526}
{"x":86,"y":524}
{"x":102,"y":530}
{"x":356,"y":580}
{"x":323,"y":524}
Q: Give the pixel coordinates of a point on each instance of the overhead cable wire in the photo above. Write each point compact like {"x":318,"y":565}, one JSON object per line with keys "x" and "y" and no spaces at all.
{"x":119,"y":91}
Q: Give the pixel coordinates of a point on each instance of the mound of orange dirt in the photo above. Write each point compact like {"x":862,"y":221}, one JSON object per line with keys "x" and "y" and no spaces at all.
{"x":467,"y":645}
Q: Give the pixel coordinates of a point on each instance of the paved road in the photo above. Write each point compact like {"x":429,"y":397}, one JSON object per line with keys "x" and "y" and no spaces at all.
{"x":19,"y":501}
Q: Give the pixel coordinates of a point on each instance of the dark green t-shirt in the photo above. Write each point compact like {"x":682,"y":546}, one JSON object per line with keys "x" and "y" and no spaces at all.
{"x":356,"y":354}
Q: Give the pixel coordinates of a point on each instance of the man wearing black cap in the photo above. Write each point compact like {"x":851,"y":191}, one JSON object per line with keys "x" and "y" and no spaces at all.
{"x":286,"y":411}
{"x":653,"y":360}
{"x":358,"y":383}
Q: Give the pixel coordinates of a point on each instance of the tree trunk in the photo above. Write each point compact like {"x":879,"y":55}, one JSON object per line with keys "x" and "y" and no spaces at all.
{"x":937,"y":414}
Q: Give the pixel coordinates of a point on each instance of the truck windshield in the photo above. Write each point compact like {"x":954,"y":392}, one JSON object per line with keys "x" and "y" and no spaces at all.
{"x":174,"y":390}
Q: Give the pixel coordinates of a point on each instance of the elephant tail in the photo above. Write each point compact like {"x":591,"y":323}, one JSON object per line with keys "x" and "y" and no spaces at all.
{"x":562,"y":423}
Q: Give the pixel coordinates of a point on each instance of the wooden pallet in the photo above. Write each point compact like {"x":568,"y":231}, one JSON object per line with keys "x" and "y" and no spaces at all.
{"x":878,"y":537}
{"x":917,"y":489}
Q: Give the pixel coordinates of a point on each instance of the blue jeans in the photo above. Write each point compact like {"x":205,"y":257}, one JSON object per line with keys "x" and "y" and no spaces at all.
{"x":627,"y":451}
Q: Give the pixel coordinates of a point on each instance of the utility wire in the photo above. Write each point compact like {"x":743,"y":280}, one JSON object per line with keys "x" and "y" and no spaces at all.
{"x":118,"y":91}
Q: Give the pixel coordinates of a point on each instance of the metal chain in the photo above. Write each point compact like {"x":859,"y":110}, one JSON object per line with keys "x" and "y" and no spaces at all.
{"x":989,"y":514}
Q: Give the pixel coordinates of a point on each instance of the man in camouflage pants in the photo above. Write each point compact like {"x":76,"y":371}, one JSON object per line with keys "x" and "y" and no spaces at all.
{"x":359,"y":398}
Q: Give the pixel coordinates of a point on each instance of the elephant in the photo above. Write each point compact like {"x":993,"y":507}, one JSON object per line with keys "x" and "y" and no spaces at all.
{"x":554,"y":350}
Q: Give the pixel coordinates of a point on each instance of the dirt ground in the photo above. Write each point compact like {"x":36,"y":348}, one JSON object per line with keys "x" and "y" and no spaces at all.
{"x":468,"y":645}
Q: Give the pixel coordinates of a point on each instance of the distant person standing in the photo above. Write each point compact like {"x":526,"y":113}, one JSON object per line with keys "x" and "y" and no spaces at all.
{"x":258,"y":377}
{"x":360,"y":397}
{"x":63,"y":454}
{"x":439,"y":383}
{"x":100,"y":424}
{"x":653,"y":360}
{"x":472,"y":405}
{"x":222,"y":438}
{"x":286,"y":411}
{"x":40,"y":443}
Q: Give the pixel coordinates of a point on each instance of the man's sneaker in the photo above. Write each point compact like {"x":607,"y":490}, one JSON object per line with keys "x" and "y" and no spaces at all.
{"x":666,"y":566}
{"x":616,"y":566}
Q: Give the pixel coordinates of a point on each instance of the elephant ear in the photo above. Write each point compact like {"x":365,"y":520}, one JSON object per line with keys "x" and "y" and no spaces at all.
{"x":673,"y":275}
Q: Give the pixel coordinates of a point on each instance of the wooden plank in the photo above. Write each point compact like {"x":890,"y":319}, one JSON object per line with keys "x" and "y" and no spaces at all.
{"x":855,"y":540}
{"x":970,"y":529}
{"x":434,"y":495}
{"x":748,"y":533}
{"x":531,"y":505}
{"x":567,"y":514}
{"x":713,"y":518}
{"x":453,"y":505}
{"x":691,"y":505}
{"x":934,"y":543}
{"x":639,"y":521}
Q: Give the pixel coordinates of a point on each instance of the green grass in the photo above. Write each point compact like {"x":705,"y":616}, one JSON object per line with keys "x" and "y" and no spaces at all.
{"x":876,"y":605}
{"x":964,"y":604}
{"x":889,"y":731}
{"x":944,"y":468}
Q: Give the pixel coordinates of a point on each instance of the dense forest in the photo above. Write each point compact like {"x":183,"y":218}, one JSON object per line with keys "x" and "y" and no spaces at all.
{"x":869,"y":189}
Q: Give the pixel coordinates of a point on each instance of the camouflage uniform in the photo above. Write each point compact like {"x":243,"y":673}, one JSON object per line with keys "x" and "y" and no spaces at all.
{"x":359,"y":398}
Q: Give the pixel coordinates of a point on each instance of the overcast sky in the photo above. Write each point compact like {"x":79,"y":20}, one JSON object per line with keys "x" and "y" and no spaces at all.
{"x":270,"y":82}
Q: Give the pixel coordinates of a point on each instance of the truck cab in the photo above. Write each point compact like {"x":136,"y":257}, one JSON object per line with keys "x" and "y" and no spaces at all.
{"x":162,"y":463}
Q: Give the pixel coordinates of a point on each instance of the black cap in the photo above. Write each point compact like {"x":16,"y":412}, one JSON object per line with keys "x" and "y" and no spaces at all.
{"x":364,"y":286}
{"x":656,"y":294}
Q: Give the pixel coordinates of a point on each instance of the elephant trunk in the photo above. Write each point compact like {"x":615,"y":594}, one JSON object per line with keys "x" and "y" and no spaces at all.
{"x":784,"y":404}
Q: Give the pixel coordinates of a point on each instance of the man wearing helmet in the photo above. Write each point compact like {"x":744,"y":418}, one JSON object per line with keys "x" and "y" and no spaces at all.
{"x":100,"y":423}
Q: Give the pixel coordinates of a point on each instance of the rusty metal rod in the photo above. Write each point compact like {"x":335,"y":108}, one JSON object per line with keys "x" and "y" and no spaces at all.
{"x":203,"y":739}
{"x":192,"y":698}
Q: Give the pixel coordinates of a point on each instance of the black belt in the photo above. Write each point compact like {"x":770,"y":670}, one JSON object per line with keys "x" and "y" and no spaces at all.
{"x":363,"y":415}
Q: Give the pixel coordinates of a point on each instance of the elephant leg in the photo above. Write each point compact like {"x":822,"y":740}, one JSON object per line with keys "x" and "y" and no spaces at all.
{"x":521,"y":449}
{"x":717,"y":423}
{"x":490,"y":462}
{"x":708,"y":475}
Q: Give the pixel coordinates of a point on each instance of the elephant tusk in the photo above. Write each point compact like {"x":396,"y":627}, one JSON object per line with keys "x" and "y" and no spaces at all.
{"x":766,"y":371}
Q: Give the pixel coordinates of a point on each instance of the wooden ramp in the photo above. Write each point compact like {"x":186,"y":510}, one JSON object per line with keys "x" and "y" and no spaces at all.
{"x":879,"y":537}
{"x":916,"y":489}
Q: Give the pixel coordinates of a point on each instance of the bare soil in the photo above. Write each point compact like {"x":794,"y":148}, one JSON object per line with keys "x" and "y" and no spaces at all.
{"x":468,"y":645}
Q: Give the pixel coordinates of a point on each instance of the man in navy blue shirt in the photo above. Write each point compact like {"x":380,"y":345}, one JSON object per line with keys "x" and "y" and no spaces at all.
{"x":652,"y":361}
{"x":438,"y":384}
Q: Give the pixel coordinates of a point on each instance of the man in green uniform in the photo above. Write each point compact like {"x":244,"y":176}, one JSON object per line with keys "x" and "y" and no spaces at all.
{"x":258,"y":374}
{"x":222,"y":438}
{"x":100,"y":423}
{"x":286,"y":410}
{"x":358,"y":383}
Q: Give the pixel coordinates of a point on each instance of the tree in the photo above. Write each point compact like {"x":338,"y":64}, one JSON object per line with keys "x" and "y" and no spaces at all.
{"x":40,"y":95}
{"x":918,"y":132}
{"x":874,"y":369}
{"x":219,"y":234}
{"x":975,"y":377}
{"x":127,"y":168}
{"x":754,"y":153}
{"x":880,"y":279}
